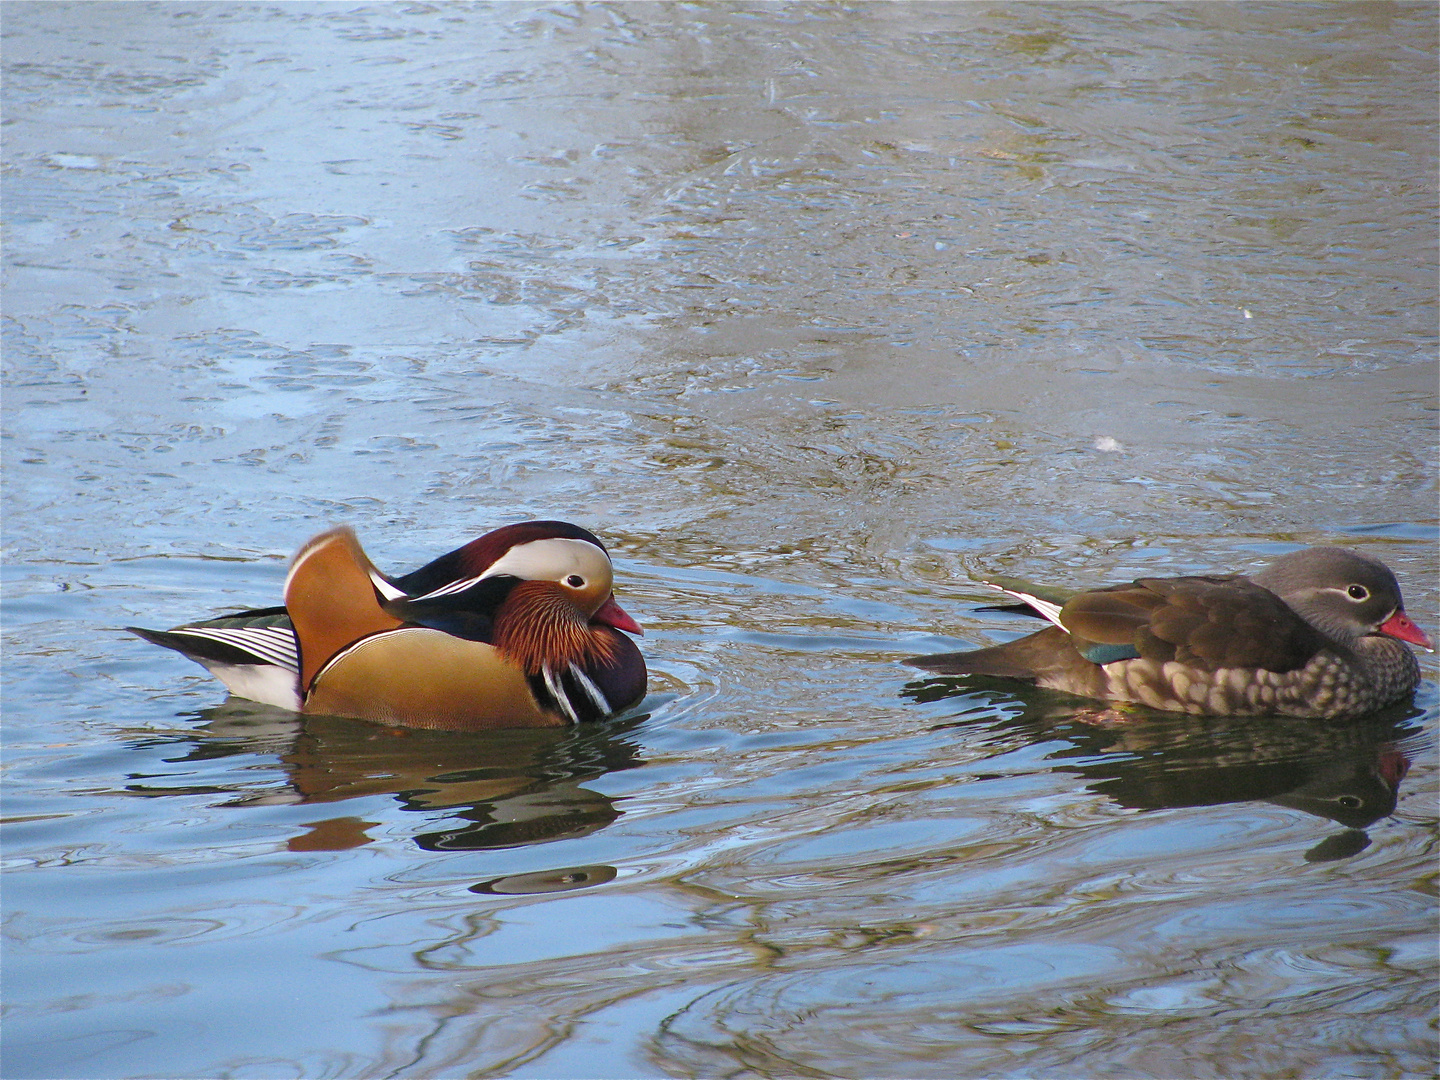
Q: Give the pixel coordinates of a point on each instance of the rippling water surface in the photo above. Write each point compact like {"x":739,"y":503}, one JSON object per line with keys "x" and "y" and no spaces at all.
{"x":819,"y":315}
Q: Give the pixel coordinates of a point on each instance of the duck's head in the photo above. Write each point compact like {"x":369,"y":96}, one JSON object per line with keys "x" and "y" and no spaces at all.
{"x":1343,"y":594}
{"x":569,"y":557}
{"x":565,"y":556}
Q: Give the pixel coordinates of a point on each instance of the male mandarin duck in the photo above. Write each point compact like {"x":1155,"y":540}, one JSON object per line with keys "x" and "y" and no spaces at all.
{"x":519,"y":628}
{"x":1316,"y":634}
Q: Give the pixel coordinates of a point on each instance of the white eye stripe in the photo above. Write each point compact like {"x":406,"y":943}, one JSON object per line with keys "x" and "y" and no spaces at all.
{"x":1356,"y":594}
{"x":551,"y":559}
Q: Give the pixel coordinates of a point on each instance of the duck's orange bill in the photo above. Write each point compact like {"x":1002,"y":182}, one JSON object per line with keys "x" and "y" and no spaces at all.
{"x":1400,"y":626}
{"x":612,"y":614}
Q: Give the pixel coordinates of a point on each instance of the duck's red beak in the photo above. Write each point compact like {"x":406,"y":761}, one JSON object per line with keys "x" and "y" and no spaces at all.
{"x":612,"y":614}
{"x":1400,"y":626}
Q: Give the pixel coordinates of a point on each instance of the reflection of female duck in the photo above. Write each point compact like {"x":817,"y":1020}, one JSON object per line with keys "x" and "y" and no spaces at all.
{"x":1319,"y":633}
{"x":1346,"y":773}
{"x":1349,"y":773}
{"x":516,"y":629}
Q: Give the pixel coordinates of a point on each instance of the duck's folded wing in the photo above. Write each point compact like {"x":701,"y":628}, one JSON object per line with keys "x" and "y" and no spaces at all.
{"x":263,"y":636}
{"x":1202,"y":622}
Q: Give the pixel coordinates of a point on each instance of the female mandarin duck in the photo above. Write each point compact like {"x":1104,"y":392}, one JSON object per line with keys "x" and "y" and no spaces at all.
{"x":519,"y":628}
{"x":1317,"y":634}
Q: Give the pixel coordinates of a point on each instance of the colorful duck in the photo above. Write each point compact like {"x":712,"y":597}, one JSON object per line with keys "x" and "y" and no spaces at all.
{"x":519,"y":628}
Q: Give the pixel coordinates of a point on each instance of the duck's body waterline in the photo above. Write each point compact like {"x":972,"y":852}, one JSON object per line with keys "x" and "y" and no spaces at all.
{"x":520,"y":628}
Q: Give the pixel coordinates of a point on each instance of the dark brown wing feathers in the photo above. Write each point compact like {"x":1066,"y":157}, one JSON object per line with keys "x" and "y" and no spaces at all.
{"x":1113,"y":616}
{"x":1202,"y":622}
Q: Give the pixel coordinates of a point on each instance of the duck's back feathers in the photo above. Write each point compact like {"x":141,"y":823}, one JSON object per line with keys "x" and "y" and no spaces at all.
{"x":468,"y":613}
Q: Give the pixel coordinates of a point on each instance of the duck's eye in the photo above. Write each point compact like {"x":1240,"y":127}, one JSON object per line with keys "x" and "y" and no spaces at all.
{"x":1358,"y":592}
{"x":575,"y":581}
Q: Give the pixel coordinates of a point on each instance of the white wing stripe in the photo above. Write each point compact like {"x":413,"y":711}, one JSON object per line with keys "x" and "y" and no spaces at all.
{"x":592,"y":691}
{"x":271,"y":644}
{"x":451,"y":587}
{"x":557,"y":691}
{"x":383,"y":587}
{"x":1044,"y":607}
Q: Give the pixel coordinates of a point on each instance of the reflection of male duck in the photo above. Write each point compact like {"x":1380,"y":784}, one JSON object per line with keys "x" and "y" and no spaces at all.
{"x":511,"y":787}
{"x":1348,"y":773}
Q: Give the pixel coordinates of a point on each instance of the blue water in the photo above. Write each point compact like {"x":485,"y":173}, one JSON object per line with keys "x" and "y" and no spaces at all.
{"x":819,"y":316}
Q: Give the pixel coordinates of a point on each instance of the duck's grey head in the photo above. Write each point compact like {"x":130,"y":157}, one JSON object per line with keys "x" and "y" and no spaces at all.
{"x":1343,"y":594}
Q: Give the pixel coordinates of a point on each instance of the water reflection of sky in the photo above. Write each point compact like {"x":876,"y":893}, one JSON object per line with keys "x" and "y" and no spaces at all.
{"x":818,"y":316}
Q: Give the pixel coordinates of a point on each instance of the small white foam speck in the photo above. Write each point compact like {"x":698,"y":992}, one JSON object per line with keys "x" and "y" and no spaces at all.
{"x":73,"y":161}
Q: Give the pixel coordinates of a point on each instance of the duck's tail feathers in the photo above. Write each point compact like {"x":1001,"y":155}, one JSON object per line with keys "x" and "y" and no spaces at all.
{"x":1038,"y":658}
